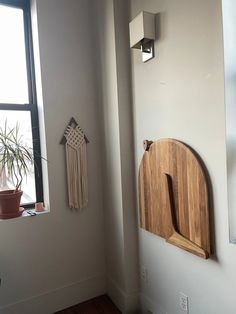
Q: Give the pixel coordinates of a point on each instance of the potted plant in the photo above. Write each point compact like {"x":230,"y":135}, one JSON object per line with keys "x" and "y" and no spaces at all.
{"x":15,"y":161}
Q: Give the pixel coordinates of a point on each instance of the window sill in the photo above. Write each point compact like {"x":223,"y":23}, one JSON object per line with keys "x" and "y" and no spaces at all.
{"x":28,"y":213}
{"x":33,"y":213}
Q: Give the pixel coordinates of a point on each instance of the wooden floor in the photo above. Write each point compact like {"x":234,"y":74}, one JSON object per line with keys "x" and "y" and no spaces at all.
{"x":99,"y":305}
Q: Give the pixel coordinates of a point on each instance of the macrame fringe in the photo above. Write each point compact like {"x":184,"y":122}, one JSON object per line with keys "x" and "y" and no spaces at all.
{"x":77,"y":177}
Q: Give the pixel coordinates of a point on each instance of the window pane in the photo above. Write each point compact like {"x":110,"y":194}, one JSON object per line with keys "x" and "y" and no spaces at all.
{"x":13,"y":73}
{"x":23,"y":119}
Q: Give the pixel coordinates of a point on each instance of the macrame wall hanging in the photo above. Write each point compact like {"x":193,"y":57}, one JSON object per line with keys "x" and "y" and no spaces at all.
{"x":75,"y":142}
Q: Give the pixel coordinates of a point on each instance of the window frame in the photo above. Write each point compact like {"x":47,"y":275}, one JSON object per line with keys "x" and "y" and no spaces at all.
{"x":32,"y":105}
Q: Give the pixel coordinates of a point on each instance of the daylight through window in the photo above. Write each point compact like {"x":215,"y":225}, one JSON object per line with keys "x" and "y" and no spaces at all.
{"x":17,"y":90}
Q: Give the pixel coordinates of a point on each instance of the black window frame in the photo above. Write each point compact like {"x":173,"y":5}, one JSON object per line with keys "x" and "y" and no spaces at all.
{"x":32,"y":105}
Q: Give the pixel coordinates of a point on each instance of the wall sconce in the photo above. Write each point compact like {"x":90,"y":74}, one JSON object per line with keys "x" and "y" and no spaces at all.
{"x":142,"y":34}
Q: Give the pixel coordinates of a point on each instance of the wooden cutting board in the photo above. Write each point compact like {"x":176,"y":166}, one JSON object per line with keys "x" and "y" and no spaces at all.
{"x":173,"y":196}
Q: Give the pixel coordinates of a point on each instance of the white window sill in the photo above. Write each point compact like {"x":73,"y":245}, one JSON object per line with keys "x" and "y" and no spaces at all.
{"x":33,"y":213}
{"x":29,"y":213}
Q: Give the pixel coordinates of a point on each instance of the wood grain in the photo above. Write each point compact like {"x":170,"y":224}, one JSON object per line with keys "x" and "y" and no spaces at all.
{"x":173,"y":196}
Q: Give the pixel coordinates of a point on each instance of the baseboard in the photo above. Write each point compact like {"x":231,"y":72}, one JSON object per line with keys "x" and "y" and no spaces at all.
{"x":126,"y":303}
{"x":148,"y":305}
{"x":60,"y":298}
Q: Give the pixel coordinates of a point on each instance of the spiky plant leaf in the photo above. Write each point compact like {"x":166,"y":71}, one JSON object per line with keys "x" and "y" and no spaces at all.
{"x":15,"y":157}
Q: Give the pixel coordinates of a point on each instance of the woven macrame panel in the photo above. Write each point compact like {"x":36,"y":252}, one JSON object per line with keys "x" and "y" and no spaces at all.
{"x":75,"y":137}
{"x":76,"y":159}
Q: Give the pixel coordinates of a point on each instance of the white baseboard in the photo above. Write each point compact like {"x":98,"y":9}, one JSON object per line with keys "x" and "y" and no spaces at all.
{"x":148,"y":305}
{"x":58,"y":299}
{"x":127,"y":303}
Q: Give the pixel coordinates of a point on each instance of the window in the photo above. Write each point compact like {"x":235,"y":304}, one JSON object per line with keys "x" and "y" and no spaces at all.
{"x":17,"y":89}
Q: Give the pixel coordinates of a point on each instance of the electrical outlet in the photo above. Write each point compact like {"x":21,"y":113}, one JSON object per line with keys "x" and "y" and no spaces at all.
{"x":144,"y":274}
{"x":183,"y":302}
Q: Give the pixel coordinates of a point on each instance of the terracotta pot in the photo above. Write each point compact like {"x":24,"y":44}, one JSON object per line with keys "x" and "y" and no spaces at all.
{"x":10,"y":204}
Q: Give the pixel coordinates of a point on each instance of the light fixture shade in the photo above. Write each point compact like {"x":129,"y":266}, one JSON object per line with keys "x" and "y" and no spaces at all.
{"x":142,"y":29}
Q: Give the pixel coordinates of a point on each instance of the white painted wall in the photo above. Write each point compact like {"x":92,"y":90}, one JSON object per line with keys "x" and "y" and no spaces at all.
{"x":55,"y":260}
{"x":180,"y":94}
{"x":118,"y":166}
{"x":229,"y":11}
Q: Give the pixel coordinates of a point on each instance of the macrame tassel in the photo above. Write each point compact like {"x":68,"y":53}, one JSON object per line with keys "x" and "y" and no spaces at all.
{"x":77,"y":177}
{"x":84,"y":175}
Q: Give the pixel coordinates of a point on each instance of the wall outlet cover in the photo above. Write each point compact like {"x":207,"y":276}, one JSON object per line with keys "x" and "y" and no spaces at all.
{"x":183,"y":302}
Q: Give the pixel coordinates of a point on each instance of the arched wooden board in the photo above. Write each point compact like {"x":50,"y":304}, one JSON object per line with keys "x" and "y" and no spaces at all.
{"x":173,"y":196}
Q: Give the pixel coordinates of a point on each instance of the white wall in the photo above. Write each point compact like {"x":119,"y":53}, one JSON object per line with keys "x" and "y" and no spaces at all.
{"x":55,"y":260}
{"x":118,"y":166}
{"x":180,"y":94}
{"x":229,"y":11}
